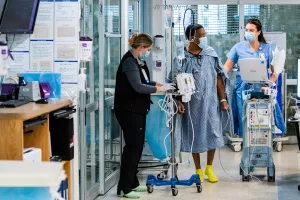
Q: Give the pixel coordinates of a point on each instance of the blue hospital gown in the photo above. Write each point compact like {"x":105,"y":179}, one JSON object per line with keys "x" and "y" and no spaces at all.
{"x":205,"y":111}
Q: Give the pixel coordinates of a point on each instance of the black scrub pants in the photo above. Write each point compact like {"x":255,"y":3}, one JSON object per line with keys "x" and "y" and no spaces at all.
{"x":133,"y":126}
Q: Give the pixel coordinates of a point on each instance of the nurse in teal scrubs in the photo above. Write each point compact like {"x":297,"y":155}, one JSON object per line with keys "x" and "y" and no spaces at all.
{"x":255,"y":47}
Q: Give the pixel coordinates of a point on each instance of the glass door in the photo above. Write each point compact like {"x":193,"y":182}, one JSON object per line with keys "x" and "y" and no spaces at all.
{"x":110,"y":132}
{"x":134,"y":16}
{"x":89,"y":107}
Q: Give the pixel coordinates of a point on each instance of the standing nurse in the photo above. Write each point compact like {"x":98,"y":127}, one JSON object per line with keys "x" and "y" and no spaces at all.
{"x":255,"y":47}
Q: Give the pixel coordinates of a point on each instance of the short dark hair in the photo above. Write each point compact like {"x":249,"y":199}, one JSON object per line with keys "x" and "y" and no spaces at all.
{"x":191,"y":30}
{"x":188,"y":31}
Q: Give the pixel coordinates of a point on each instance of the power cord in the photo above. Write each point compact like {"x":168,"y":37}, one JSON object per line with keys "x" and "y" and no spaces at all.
{"x":167,"y":105}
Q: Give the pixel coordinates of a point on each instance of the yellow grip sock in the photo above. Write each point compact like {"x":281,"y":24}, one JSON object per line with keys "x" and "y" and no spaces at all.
{"x":210,"y":174}
{"x":200,"y":173}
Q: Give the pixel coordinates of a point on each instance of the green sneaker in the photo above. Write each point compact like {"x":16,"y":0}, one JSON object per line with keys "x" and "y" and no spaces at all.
{"x":140,"y":189}
{"x":130,"y":195}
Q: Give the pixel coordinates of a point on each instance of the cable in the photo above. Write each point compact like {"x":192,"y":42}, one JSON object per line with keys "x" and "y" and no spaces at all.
{"x":163,"y":104}
{"x":179,"y":18}
{"x":193,"y":17}
{"x":193,"y":131}
{"x":220,"y":153}
{"x":9,"y":48}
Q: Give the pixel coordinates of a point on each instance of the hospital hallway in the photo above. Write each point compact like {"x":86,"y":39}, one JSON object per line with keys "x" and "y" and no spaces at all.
{"x":287,"y":165}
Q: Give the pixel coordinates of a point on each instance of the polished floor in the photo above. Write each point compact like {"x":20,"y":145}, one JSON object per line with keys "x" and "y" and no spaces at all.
{"x":230,"y":186}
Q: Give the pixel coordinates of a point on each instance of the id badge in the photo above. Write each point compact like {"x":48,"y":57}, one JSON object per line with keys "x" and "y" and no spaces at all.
{"x":262,"y":55}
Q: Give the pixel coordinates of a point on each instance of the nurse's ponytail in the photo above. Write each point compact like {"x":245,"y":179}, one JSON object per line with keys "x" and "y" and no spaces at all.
{"x":258,"y":25}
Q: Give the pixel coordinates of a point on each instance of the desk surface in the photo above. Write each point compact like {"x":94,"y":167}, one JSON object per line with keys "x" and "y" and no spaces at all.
{"x":32,"y":109}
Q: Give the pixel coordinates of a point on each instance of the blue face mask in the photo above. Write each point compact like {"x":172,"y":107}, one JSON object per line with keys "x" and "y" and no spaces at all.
{"x":144,"y":56}
{"x":250,"y":36}
{"x":203,"y":43}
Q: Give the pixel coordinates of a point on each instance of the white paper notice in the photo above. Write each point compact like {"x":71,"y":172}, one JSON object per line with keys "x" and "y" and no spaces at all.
{"x":19,"y":64}
{"x":18,"y":42}
{"x":41,"y":56}
{"x":66,"y":52}
{"x":68,"y":70}
{"x":66,"y":21}
{"x":44,"y":22}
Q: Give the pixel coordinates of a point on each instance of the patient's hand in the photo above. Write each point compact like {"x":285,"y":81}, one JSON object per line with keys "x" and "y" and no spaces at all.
{"x":180,"y":108}
{"x":224,"y":106}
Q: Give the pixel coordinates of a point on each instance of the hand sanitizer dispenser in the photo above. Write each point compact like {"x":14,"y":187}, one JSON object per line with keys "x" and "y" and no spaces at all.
{"x":86,"y":49}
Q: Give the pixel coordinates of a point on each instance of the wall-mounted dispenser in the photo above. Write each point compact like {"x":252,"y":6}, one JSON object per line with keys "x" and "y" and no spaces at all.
{"x":159,"y":42}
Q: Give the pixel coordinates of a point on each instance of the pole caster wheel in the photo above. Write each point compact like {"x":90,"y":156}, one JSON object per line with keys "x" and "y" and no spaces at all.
{"x":278,"y":146}
{"x":174,"y":191}
{"x":271,"y":177}
{"x":246,"y":178}
{"x":199,"y":188}
{"x":150,"y":188}
{"x":237,"y":147}
{"x":161,"y":176}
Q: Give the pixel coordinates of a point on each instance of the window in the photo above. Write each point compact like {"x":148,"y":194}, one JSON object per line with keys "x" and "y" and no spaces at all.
{"x":178,"y":16}
{"x":277,"y":18}
{"x":221,"y":23}
{"x":131,"y":17}
{"x":251,"y":11}
{"x":112,"y":22}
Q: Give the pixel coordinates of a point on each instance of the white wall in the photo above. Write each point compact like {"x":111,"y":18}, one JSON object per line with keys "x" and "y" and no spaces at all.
{"x":153,"y":24}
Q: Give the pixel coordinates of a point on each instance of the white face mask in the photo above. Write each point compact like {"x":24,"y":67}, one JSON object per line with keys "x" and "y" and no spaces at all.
{"x":203,"y":43}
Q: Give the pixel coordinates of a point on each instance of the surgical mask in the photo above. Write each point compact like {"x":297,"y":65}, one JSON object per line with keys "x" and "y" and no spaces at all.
{"x":250,"y":36}
{"x":143,"y":56}
{"x":203,"y":43}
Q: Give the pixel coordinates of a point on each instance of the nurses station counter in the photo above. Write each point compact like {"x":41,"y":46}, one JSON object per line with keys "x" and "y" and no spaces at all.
{"x":29,"y":126}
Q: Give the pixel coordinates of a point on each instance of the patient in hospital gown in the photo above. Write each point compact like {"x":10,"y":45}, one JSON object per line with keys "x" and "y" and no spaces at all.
{"x":201,"y":126}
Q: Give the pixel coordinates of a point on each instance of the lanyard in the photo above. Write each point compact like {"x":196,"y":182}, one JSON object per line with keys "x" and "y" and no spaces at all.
{"x":145,"y":75}
{"x":261,"y":54}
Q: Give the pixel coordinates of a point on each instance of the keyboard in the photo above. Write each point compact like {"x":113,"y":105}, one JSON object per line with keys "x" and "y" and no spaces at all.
{"x":13,"y":103}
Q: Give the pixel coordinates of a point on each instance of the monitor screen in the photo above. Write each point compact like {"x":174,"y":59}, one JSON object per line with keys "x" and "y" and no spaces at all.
{"x":19,"y":16}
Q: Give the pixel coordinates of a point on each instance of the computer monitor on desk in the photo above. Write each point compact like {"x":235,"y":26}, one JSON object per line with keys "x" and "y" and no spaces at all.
{"x":253,"y":70}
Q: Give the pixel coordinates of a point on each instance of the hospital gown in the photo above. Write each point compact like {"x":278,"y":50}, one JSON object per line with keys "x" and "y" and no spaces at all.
{"x":203,"y":117}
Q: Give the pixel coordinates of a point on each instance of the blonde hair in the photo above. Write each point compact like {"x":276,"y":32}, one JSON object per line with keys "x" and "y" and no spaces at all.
{"x":137,"y":40}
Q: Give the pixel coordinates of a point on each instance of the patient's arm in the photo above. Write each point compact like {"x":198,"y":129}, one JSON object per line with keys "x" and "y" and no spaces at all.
{"x":221,"y":92}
